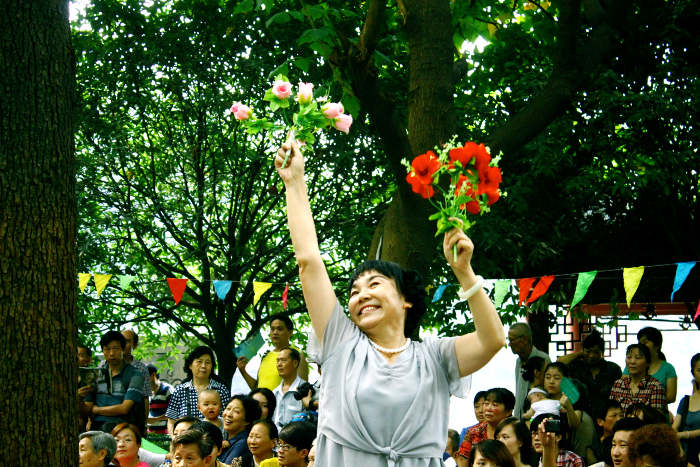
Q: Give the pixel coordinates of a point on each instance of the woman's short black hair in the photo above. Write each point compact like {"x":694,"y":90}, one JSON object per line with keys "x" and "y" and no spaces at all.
{"x":271,"y":400}
{"x":502,"y":396}
{"x":493,"y":450}
{"x":479,"y":395}
{"x":251,"y":407}
{"x":194,"y":355}
{"x":563,"y":369}
{"x":298,"y":434}
{"x":643,"y":349}
{"x":532,"y":364}
{"x":654,"y":336}
{"x":522,"y":432}
{"x":271,"y":427}
{"x":409,"y":284}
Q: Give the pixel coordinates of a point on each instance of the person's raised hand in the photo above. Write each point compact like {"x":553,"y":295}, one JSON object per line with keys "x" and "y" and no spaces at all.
{"x":465,"y":249}
{"x":241,"y":363}
{"x":293,"y":169}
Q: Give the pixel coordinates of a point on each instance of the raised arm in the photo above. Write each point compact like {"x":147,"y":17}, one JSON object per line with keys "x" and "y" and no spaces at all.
{"x":315,"y":283}
{"x":475,"y":349}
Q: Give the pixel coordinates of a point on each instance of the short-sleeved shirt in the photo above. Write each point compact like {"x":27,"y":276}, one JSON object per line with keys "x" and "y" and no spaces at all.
{"x":115,"y":389}
{"x":650,"y":393}
{"x":139,"y":365}
{"x":183,"y":402}
{"x":287,"y":405}
{"x":239,"y":447}
{"x":474,"y":435}
{"x":158,"y":406}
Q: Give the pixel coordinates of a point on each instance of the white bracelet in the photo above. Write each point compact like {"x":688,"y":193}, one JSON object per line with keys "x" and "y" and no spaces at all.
{"x":467,"y":294}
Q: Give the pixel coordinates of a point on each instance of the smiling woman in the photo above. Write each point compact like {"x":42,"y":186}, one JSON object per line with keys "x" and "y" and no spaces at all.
{"x":370,"y":364}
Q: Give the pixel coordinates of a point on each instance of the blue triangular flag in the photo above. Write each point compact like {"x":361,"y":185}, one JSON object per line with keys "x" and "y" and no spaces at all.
{"x":438,"y":293}
{"x":682,"y":271}
{"x":222,"y":288}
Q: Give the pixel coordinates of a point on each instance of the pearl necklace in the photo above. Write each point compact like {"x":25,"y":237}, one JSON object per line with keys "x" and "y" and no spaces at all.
{"x":390,"y":351}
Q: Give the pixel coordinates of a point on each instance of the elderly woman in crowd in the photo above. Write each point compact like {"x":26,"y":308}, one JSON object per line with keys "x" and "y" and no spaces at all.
{"x":96,"y":449}
{"x":128,"y":440}
{"x":659,"y":368}
{"x":239,"y":415}
{"x":655,"y":445}
{"x":199,"y":366}
{"x":638,"y":385}
{"x":371,"y":366}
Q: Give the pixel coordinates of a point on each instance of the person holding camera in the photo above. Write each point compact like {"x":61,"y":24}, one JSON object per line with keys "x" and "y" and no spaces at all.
{"x":287,"y":404}
{"x":547,"y":441}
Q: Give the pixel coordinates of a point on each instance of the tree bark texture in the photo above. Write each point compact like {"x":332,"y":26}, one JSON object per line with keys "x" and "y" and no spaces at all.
{"x":38,"y":373}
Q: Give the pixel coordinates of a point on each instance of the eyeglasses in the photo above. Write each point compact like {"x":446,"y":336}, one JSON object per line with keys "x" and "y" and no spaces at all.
{"x":283,"y":446}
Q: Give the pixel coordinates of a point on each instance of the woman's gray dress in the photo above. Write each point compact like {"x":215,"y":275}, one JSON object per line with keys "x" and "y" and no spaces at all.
{"x":376,"y":414}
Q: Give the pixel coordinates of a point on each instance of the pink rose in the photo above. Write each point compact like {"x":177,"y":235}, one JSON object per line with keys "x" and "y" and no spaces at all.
{"x":282,"y":89}
{"x":343,"y":123}
{"x":305,"y":93}
{"x":241,"y":111}
{"x":332,"y":110}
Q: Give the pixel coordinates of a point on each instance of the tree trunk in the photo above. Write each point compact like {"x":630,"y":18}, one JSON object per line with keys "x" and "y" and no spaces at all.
{"x":38,"y":368}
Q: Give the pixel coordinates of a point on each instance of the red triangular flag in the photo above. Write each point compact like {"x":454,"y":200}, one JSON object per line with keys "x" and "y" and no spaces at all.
{"x":177,"y":287}
{"x":697,"y":313}
{"x":284,"y":296}
{"x":540,"y":288}
{"x":525,"y":285}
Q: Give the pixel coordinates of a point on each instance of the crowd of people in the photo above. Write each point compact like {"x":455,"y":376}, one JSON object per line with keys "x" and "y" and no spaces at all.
{"x":383,"y":397}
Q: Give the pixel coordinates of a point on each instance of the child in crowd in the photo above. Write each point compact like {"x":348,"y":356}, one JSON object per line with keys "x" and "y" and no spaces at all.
{"x":209,"y":403}
{"x":540,"y":403}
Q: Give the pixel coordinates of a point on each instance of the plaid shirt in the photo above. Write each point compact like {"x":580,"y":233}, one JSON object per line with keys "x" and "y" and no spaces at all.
{"x":650,"y":393}
{"x":475,"y":435}
{"x":183,"y":402}
{"x":568,"y":459}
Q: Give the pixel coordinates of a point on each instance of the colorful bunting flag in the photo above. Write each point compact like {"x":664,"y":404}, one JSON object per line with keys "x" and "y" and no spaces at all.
{"x":525,"y":285}
{"x":222,"y":288}
{"x":697,"y":313}
{"x":584,"y":281}
{"x":259,"y":288}
{"x":101,"y":281}
{"x":500,"y":290}
{"x":177,"y":287}
{"x":438,"y":292}
{"x":631,"y":278}
{"x":83,"y":279}
{"x":541,"y":287}
{"x":125,"y":281}
{"x":682,"y":271}
{"x":285,"y":294}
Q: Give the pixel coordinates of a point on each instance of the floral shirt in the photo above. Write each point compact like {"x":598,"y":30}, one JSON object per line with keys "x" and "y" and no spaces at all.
{"x":650,"y":393}
{"x":475,"y":434}
{"x":568,"y":459}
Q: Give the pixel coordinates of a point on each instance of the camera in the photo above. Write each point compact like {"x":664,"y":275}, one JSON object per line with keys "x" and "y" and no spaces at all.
{"x":552,"y":426}
{"x":303,"y":391}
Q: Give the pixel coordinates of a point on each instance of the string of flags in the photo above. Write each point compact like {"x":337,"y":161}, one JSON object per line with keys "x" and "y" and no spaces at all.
{"x":529,"y":288}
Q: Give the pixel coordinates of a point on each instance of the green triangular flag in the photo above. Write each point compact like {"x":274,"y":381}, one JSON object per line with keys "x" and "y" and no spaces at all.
{"x":125,"y":281}
{"x":499,"y":292}
{"x":582,"y":284}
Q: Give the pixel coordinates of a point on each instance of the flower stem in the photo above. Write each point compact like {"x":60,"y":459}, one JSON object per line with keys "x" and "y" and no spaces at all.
{"x":454,"y":252}
{"x":290,"y":137}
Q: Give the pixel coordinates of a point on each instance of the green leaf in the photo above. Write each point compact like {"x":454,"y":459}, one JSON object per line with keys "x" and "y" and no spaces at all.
{"x":244,"y":7}
{"x":303,"y":63}
{"x":351,"y":104}
{"x":279,"y":18}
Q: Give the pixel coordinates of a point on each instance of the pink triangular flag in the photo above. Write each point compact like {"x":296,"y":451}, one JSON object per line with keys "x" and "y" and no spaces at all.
{"x":177,"y":287}
{"x":284,"y":296}
{"x":525,"y":285}
{"x":540,"y":288}
{"x":697,"y":313}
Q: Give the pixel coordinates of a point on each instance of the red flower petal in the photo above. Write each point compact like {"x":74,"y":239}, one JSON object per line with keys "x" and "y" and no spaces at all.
{"x":424,"y":166}
{"x":473,"y":207}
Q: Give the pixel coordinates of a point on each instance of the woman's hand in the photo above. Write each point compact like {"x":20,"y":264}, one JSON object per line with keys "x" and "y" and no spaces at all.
{"x":465,"y":250}
{"x":293,"y":169}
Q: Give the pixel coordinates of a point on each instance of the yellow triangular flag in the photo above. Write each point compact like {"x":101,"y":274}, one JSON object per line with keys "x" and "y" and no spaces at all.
{"x":259,"y":288}
{"x":631,"y":278}
{"x":101,"y":282}
{"x":83,"y":279}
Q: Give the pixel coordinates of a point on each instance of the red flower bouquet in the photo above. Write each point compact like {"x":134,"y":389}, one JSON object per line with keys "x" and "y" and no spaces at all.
{"x":474,"y":182}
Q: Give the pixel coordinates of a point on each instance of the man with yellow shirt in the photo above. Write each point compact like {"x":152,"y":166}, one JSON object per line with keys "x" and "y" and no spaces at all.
{"x":281,"y":329}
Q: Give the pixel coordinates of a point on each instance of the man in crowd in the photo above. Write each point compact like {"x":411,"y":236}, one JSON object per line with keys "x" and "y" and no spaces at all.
{"x":294,"y":444}
{"x":520,"y":341}
{"x":96,"y":449}
{"x":119,"y":388}
{"x":596,"y":373}
{"x":621,"y":434}
{"x":192,"y":448}
{"x":162,"y":391}
{"x":451,"y":448}
{"x":606,"y":419}
{"x":281,"y":329}
{"x":132,"y":342}
{"x":288,"y":361}
{"x":84,"y":356}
